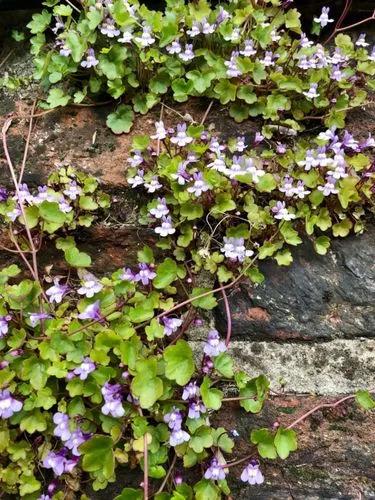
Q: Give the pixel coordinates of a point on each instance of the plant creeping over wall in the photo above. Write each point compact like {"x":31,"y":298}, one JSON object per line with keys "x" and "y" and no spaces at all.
{"x":95,"y":372}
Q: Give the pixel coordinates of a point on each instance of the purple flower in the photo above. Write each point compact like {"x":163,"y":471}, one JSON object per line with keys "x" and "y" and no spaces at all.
{"x":161,"y":133}
{"x":312,"y":92}
{"x":59,"y":463}
{"x":65,"y":51}
{"x":3,"y":194}
{"x":222,"y":16}
{"x":207,"y":364}
{"x":181,"y":138}
{"x":92,"y":311}
{"x":59,"y":25}
{"x":268,"y":59}
{"x":145,"y":274}
{"x":174,"y":48}
{"x":153,"y":185}
{"x":215,"y":471}
{"x":248,"y":50}
{"x":112,"y":394}
{"x":44,"y":497}
{"x":178,"y":437}
{"x":166,"y":228}
{"x":146,"y":38}
{"x":337,"y":74}
{"x":361,"y":42}
{"x":199,"y":186}
{"x":4,"y":327}
{"x":57,"y":291}
{"x":85,"y":368}
{"x":76,"y":438}
{"x":329,"y":187}
{"x":136,"y":160}
{"x":108,"y":28}
{"x":281,"y":212}
{"x":234,"y":249}
{"x":304,"y":41}
{"x":137,"y":180}
{"x":258,"y":138}
{"x":171,"y":325}
{"x":252,"y":474}
{"x":190,"y":391}
{"x":195,"y":409}
{"x":187,"y":54}
{"x":181,"y":176}
{"x":348,"y":141}
{"x":300,"y":190}
{"x":90,"y":61}
{"x":90,"y":284}
{"x":233,"y":70}
{"x":62,"y":426}
{"x":240,"y":144}
{"x":127,"y":274}
{"x":323,"y":19}
{"x":8,"y":404}
{"x":213,"y":345}
{"x":126,"y":36}
{"x":281,"y":148}
{"x":173,"y":419}
{"x":161,"y":209}
{"x":35,"y":318}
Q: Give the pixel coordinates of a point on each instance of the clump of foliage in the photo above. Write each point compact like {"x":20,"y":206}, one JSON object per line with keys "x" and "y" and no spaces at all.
{"x":250,"y":56}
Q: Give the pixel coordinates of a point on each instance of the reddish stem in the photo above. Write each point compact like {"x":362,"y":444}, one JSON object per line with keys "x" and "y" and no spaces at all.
{"x":229,"y":318}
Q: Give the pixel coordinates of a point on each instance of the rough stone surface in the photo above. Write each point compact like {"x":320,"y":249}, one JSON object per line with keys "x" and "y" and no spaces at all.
{"x":316,"y":298}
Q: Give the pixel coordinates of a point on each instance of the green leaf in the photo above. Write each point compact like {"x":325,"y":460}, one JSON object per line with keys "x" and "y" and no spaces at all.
{"x":201,"y":439}
{"x":365,"y":400}
{"x":239,"y":112}
{"x":289,"y":234}
{"x":130,"y":494}
{"x":264,"y":440}
{"x":76,"y":258}
{"x":98,"y":455}
{"x":179,"y":362}
{"x":284,"y":257}
{"x":226,"y":91}
{"x":292,"y":20}
{"x":322,"y":244}
{"x":121,"y":120}
{"x":201,"y":81}
{"x":285,"y":442}
{"x":246,"y":93}
{"x":206,"y":490}
{"x":56,"y":98}
{"x":77,"y":45}
{"x":166,"y":273}
{"x":39,"y":22}
{"x":34,"y":421}
{"x":342,"y":228}
{"x":208,"y":302}
{"x":191,"y":210}
{"x":224,"y":365}
{"x":348,"y":191}
{"x":145,"y":385}
{"x":212,"y":398}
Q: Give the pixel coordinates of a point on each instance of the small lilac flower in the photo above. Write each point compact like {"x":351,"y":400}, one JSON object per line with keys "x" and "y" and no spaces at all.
{"x":8,"y":404}
{"x":173,"y":419}
{"x":113,"y":400}
{"x":329,"y":187}
{"x":258,"y":138}
{"x":171,"y":325}
{"x":309,"y":161}
{"x":13,"y":214}
{"x":91,"y":61}
{"x":153,"y":185}
{"x":44,"y":497}
{"x":348,"y":141}
{"x":234,"y":249}
{"x":268,"y":59}
{"x":90,"y":284}
{"x":4,"y":327}
{"x":361,"y":42}
{"x":367,"y":143}
{"x":252,"y":474}
{"x":126,"y":36}
{"x":57,"y":291}
{"x":199,"y":186}
{"x":213,"y":345}
{"x":207,"y":365}
{"x":219,"y":164}
{"x":312,"y":92}
{"x":300,"y":190}
{"x":59,"y":463}
{"x":4,"y":364}
{"x":195,"y":409}
{"x":161,"y":133}
{"x":323,"y":19}
{"x":222,"y":16}
{"x":166,"y":228}
{"x":181,"y":176}
{"x":76,"y":438}
{"x":232,"y":69}
{"x":191,"y":391}
{"x":35,"y":318}
{"x":85,"y":368}
{"x":146,"y":39}
{"x":127,"y":274}
{"x":281,"y":212}
{"x":234,"y":433}
{"x":64,"y":206}
{"x":372,"y":55}
{"x":181,"y":139}
{"x":337,"y":74}
{"x":305,"y":63}
{"x":248,"y":50}
{"x":174,"y":47}
{"x":195,"y":30}
{"x":215,"y":471}
{"x":65,"y":51}
{"x":59,"y":25}
{"x":136,"y":159}
{"x":240,"y":144}
{"x":188,"y":53}
{"x":92,"y":311}
{"x":161,"y":209}
{"x":137,"y":180}
{"x":178,"y":437}
{"x":3,"y":194}
{"x":280,"y":148}
{"x":61,"y":421}
{"x":252,"y":169}
{"x":145,"y":274}
{"x":108,"y":28}
{"x":216,"y":147}
{"x":304,"y":41}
